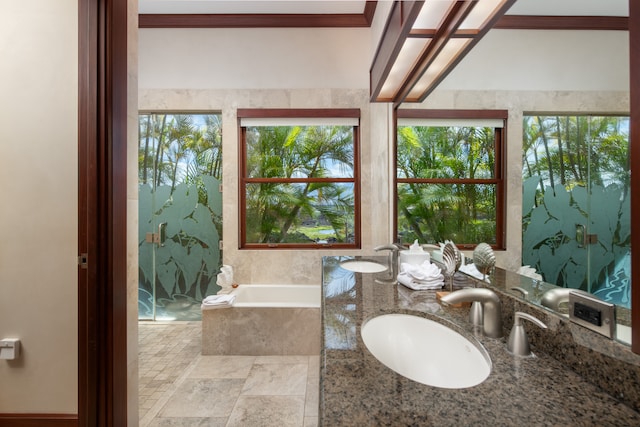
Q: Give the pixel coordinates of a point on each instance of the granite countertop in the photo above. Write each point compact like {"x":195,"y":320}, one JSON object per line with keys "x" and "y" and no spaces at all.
{"x":357,"y":390}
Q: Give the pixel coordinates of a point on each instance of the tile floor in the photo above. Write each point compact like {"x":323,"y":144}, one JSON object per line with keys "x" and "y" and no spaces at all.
{"x":180,"y":387}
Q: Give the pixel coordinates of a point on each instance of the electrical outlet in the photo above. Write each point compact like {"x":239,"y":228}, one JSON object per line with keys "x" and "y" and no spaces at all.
{"x":592,"y":313}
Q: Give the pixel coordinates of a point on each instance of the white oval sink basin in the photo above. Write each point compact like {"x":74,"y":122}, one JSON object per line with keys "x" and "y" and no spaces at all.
{"x":362,"y":266}
{"x":426,"y":351}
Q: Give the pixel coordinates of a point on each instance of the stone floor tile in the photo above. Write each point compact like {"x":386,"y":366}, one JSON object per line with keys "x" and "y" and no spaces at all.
{"x":312,"y":397}
{"x":193,"y":387}
{"x":310,"y":421}
{"x":199,"y":397}
{"x":188,"y":422}
{"x":263,"y":360}
{"x":268,"y":411}
{"x":276,"y":379}
{"x":222,"y":367}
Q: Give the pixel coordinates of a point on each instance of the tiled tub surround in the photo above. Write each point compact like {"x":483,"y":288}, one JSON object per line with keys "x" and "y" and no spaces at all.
{"x":356,"y":389}
{"x":268,"y":324}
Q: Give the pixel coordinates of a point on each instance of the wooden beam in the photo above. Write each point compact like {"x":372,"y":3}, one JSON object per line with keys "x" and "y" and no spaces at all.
{"x":538,"y":22}
{"x":243,"y":20}
{"x":487,"y":26}
{"x":456,"y":15}
{"x":397,"y":28}
{"x":370,"y":11}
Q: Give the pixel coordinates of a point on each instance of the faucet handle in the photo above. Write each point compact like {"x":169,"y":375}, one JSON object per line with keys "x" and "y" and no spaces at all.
{"x":393,"y":247}
{"x":523,"y":291}
{"x":518,"y":343}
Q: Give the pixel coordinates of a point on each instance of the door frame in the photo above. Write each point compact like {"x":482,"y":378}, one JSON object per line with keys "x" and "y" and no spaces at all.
{"x":102,"y":214}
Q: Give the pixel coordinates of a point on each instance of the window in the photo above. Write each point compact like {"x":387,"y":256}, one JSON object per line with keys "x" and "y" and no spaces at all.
{"x":299,"y":178}
{"x":449,"y":176}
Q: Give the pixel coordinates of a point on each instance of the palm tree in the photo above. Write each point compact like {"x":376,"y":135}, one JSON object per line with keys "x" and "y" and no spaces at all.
{"x":301,"y":154}
{"x":435,"y":211}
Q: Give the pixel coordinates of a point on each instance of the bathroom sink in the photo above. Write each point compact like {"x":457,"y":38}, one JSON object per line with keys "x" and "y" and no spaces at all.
{"x":362,"y":266}
{"x":426,"y":351}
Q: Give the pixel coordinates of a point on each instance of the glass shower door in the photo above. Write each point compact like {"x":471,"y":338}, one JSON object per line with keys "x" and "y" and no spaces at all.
{"x":576,"y":212}
{"x":608,"y":237}
{"x":180,"y":214}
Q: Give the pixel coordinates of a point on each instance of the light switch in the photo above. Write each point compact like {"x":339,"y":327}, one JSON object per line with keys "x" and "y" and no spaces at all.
{"x":9,"y":348}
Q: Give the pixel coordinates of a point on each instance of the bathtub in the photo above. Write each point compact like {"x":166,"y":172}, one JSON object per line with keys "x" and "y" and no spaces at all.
{"x":277,"y":296}
{"x":265,"y":320}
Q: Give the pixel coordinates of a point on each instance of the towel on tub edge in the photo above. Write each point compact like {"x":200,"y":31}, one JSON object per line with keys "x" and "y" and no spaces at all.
{"x":218,"y":301}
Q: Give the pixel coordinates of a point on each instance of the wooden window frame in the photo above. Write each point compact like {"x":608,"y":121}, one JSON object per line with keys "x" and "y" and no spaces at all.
{"x":499,"y":166}
{"x":332,"y":113}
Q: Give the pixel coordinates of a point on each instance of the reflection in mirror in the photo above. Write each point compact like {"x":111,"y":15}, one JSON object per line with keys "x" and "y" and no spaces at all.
{"x":556,"y":299}
{"x":339,"y":324}
{"x":576,"y":208}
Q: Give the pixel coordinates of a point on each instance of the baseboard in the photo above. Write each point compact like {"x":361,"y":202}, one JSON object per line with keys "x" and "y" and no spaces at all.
{"x":38,"y":420}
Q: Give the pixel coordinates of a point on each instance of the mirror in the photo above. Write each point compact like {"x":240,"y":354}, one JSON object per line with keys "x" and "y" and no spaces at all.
{"x":576,"y":216}
{"x":545,"y":296}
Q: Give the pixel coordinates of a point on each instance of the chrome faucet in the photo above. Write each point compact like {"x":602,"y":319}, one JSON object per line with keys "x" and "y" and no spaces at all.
{"x":393,"y":249}
{"x":553,"y":298}
{"x":491,"y":307}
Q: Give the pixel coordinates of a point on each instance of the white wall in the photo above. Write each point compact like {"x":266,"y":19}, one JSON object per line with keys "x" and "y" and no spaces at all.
{"x":545,"y":60}
{"x":38,"y":211}
{"x":258,"y":58}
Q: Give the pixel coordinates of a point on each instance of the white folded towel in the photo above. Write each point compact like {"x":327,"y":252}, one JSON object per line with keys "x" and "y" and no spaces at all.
{"x":421,"y":277}
{"x":425,"y":271}
{"x":420,"y":285}
{"x":218,"y":301}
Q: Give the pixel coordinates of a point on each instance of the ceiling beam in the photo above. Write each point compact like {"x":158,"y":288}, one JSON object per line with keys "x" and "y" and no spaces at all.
{"x":456,"y":15}
{"x":243,"y":20}
{"x":488,"y":25}
{"x":261,"y":20}
{"x":397,"y":28}
{"x":370,"y":11}
{"x":539,"y":22}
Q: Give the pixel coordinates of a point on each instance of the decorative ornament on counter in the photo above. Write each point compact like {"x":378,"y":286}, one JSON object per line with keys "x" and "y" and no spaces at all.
{"x":484,"y":258}
{"x":225,"y":279}
{"x":452,"y":260}
{"x":457,"y":255}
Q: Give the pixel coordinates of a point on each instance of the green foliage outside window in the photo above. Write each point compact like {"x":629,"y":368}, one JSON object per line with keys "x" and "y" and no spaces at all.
{"x":447,"y":188}
{"x":299,"y":184}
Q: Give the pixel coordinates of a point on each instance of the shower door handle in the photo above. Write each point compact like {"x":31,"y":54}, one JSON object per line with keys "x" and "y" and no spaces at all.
{"x":583,"y":238}
{"x":162,"y":233}
{"x":158,"y":237}
{"x":581,"y":235}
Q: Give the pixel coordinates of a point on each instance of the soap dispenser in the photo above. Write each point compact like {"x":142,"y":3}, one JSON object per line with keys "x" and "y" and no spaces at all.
{"x":518,"y":343}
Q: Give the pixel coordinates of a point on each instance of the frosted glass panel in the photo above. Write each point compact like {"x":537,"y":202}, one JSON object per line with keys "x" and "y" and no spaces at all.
{"x":576,"y":212}
{"x":180,"y":213}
